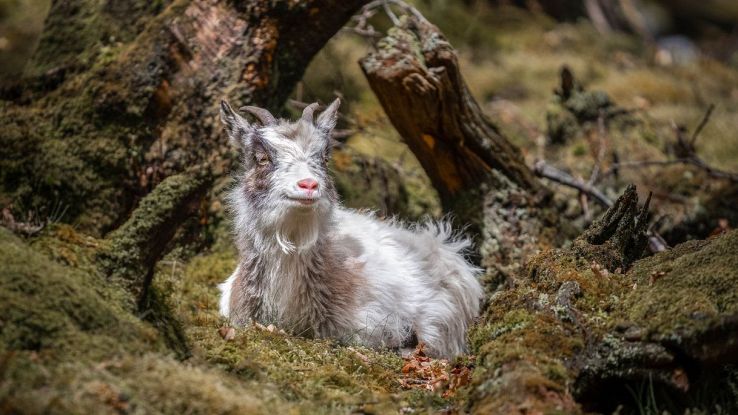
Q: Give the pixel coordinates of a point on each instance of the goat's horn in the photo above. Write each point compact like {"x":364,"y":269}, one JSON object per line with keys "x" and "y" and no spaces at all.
{"x":263,"y":115}
{"x":307,"y":112}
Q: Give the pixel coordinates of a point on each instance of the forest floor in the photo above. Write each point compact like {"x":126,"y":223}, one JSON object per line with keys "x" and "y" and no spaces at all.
{"x":73,"y":343}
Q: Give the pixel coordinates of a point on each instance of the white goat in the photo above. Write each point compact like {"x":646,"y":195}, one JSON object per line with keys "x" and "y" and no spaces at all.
{"x":315,"y":268}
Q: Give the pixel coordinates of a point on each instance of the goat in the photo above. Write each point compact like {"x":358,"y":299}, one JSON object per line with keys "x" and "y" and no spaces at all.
{"x":317,"y":269}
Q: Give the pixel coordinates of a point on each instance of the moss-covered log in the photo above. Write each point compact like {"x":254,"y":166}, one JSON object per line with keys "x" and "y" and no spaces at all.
{"x":120,"y":95}
{"x":131,"y":251}
{"x":576,"y":322}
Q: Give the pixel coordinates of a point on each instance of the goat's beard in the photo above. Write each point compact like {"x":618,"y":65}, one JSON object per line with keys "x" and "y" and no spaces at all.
{"x":298,"y":230}
{"x":297,"y":233}
{"x":295,"y":229}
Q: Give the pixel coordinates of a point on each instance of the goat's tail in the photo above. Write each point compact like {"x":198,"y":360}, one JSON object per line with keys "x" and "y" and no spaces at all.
{"x":446,"y":263}
{"x":457,"y":275}
{"x":443,"y":323}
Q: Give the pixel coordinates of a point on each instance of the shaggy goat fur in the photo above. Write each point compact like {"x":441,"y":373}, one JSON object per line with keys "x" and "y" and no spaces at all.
{"x":315,"y":268}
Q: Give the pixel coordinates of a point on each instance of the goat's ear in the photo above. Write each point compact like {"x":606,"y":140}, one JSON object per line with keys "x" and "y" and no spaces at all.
{"x":236,"y":126}
{"x":327,"y":119}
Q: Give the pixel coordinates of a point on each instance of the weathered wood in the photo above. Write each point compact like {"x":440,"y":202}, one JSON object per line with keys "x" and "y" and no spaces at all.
{"x":415,"y":74}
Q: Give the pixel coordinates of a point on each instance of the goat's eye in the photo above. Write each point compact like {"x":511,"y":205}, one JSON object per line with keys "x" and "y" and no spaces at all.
{"x":262,"y":159}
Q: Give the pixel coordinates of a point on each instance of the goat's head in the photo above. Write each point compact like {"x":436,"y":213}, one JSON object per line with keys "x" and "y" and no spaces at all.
{"x":285,"y":163}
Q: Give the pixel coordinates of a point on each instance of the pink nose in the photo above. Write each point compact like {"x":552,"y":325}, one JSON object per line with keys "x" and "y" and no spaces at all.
{"x":308,"y":184}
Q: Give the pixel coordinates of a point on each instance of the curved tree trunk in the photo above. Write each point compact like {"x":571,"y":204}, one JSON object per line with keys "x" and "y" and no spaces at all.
{"x":120,"y":95}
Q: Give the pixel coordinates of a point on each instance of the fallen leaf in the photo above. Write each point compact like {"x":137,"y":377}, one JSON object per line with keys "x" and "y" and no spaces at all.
{"x":227,"y":333}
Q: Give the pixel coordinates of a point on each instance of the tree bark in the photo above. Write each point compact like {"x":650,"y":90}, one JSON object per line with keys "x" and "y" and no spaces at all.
{"x":415,"y":74}
{"x":120,"y":95}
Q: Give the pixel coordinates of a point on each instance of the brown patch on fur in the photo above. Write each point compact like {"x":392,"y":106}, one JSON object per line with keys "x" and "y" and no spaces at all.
{"x":336,"y":289}
{"x":246,"y":293}
{"x":256,"y":180}
{"x":325,"y":297}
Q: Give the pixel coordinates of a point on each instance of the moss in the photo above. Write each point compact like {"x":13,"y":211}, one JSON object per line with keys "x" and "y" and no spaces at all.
{"x":60,"y":310}
{"x":683,"y":291}
{"x":76,"y":31}
{"x":76,"y":135}
{"x":131,"y":251}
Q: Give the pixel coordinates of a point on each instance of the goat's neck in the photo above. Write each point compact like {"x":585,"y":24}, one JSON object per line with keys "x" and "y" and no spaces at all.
{"x":299,"y":238}
{"x":285,"y":277}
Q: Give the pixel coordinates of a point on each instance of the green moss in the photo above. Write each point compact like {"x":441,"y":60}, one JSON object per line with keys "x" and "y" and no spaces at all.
{"x":76,"y":31}
{"x":684,"y":290}
{"x":132,"y":249}
{"x":61,"y":310}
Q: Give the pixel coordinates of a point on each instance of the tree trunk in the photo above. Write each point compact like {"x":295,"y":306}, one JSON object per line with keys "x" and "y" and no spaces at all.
{"x":120,"y":95}
{"x":415,"y":75}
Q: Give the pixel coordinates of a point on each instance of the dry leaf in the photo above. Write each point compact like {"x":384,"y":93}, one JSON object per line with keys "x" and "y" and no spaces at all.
{"x":227,"y":333}
{"x":421,"y":372}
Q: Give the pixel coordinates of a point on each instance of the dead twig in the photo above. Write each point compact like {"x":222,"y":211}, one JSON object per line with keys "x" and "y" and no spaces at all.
{"x":703,"y":123}
{"x":388,"y":11}
{"x":542,"y":169}
{"x":363,"y":28}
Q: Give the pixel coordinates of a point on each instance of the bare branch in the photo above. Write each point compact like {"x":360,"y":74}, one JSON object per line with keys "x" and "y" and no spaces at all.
{"x":705,"y":120}
{"x":542,"y":169}
{"x":655,"y":242}
{"x":390,"y":13}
